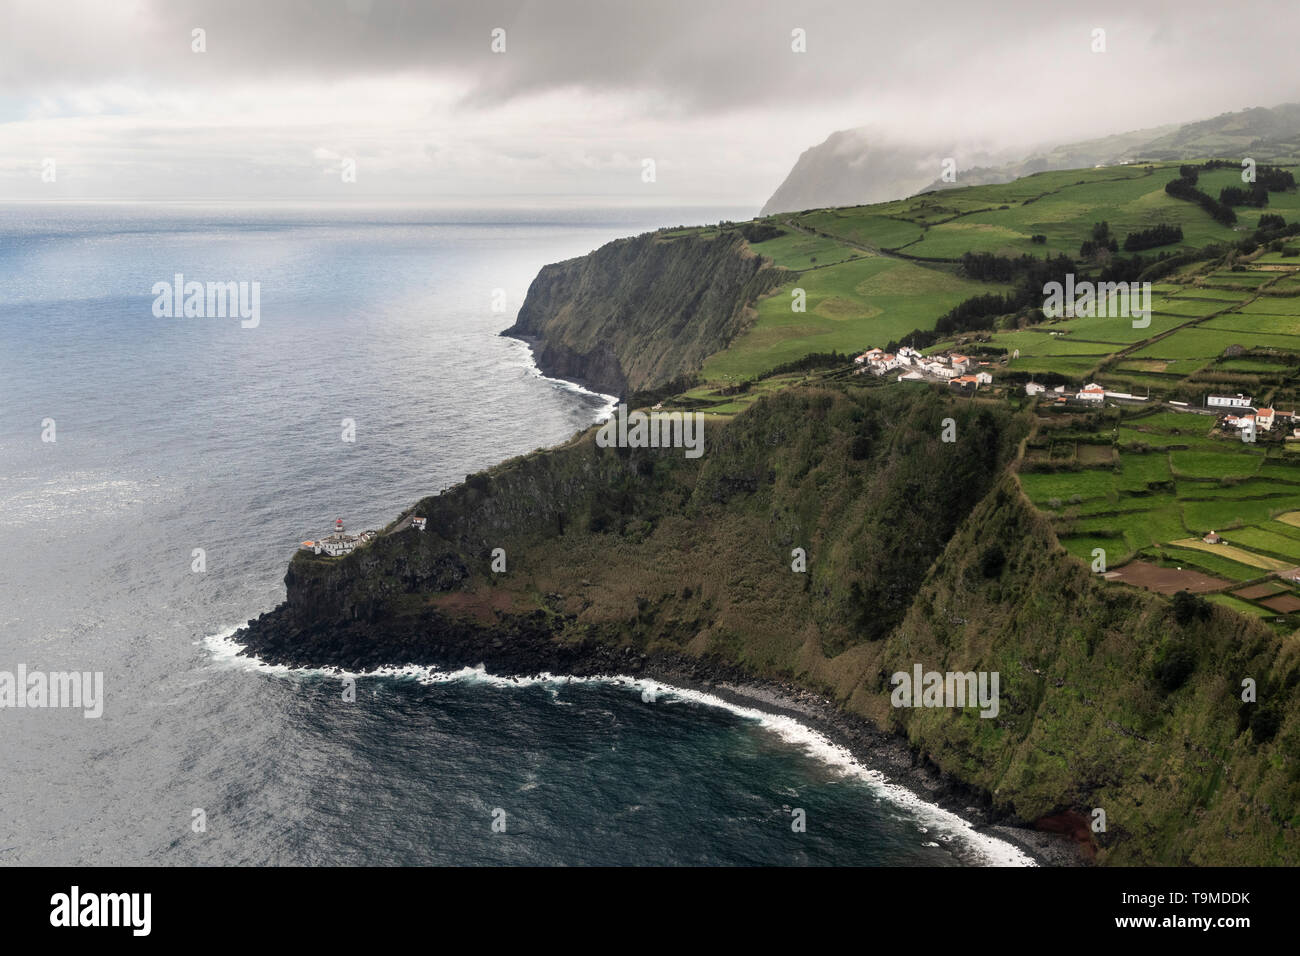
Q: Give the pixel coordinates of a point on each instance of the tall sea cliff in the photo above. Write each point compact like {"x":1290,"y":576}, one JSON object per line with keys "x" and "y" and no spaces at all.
{"x":640,"y":313}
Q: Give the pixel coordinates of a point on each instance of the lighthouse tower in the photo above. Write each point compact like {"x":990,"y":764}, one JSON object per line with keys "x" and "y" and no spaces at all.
{"x":338,"y":525}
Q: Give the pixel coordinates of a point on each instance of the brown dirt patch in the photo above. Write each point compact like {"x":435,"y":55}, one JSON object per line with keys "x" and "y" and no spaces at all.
{"x":1096,"y":454}
{"x":1258,"y":591}
{"x":1283,"y":603}
{"x":1166,"y":580}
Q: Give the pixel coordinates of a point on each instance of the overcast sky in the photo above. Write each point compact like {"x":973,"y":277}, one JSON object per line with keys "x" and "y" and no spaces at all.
{"x":711,"y":91}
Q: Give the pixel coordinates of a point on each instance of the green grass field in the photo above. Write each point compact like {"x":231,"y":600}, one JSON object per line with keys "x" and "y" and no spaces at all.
{"x":798,"y":251}
{"x":849,"y":307}
{"x":1232,"y":463}
{"x":1208,"y":342}
{"x":1060,"y":205}
{"x":1240,"y":606}
{"x":1272,"y":305}
{"x":1211,"y":563}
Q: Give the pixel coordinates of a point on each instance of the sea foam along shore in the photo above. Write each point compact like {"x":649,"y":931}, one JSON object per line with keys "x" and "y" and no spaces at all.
{"x":958,"y":834}
{"x":528,"y":363}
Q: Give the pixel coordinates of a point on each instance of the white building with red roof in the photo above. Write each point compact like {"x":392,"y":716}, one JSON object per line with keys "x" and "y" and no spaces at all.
{"x":1092,"y":392}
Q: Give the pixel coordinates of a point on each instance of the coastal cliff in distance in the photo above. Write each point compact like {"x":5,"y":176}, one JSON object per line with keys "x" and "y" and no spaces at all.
{"x":638,"y":314}
{"x":856,"y":167}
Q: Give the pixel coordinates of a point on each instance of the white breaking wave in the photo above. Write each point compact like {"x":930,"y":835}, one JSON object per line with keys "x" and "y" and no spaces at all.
{"x":530,"y":363}
{"x":990,"y":850}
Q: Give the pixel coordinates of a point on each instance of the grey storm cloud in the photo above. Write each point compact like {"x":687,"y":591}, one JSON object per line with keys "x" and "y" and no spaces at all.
{"x":697,"y":56}
{"x":586,"y":90}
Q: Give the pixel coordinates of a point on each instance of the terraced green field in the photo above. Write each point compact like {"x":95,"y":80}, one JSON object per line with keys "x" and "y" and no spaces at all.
{"x":799,"y":251}
{"x":1256,"y":323}
{"x":1207,"y":342}
{"x":1218,"y":295}
{"x":1233,"y":463}
{"x":1116,"y":331}
{"x":869,"y":229}
{"x":1060,"y":205}
{"x":1158,"y":505}
{"x":1272,"y":305}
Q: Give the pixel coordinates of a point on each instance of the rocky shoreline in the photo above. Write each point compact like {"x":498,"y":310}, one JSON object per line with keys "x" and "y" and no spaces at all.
{"x":527,"y":647}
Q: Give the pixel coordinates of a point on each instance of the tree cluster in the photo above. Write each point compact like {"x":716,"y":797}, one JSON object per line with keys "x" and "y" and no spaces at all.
{"x":1185,"y":188}
{"x":1159,"y":235}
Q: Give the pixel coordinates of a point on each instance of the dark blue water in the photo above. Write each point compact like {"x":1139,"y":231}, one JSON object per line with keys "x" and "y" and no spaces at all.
{"x":178,"y":434}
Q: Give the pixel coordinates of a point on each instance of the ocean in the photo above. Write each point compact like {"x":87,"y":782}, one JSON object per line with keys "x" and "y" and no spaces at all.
{"x":189,"y":456}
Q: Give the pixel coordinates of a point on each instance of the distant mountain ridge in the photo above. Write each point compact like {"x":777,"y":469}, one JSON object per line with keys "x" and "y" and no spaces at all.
{"x":856,"y":167}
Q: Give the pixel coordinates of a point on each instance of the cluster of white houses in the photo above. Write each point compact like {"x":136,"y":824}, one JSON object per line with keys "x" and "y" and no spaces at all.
{"x":959,"y":370}
{"x":1245,"y":415}
{"x":1263,"y":419}
{"x":339,"y":543}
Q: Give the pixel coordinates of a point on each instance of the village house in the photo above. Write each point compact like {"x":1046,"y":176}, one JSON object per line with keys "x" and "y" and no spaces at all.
{"x":1033,"y":388}
{"x":1212,"y":538}
{"x":1092,"y":392}
{"x":959,"y":362}
{"x":877,"y":361}
{"x":1264,"y":418}
{"x":1229,"y":401}
{"x":418,"y":523}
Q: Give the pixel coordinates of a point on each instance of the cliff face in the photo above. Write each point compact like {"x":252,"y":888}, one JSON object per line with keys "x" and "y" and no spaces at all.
{"x":639,"y":313}
{"x":535,"y":497}
{"x":852,"y":168}
{"x":918,"y":552}
{"x":1119,"y":707}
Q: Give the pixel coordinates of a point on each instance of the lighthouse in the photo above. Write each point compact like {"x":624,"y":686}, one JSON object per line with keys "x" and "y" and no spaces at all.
{"x":338,"y":543}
